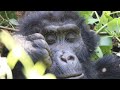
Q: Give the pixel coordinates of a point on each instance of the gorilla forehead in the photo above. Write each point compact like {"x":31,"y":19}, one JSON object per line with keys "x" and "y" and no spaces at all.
{"x":52,"y":15}
{"x":39,"y":19}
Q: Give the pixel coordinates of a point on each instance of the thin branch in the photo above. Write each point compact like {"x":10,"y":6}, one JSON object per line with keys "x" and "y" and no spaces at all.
{"x":102,"y":28}
{"x":8,"y":20}
{"x":114,"y":12}
{"x":117,"y":39}
{"x":10,"y":29}
{"x":92,"y":13}
{"x":2,"y":18}
{"x":97,"y":16}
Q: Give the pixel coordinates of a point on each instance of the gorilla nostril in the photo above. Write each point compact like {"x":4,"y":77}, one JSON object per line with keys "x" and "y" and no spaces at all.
{"x":63,"y":59}
{"x":71,"y":58}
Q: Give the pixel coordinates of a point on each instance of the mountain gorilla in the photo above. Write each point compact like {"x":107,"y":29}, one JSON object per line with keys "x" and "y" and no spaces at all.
{"x":63,"y":41}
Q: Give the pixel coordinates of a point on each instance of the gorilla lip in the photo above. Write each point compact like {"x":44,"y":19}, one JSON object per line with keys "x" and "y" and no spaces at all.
{"x":80,"y":76}
{"x":77,"y":77}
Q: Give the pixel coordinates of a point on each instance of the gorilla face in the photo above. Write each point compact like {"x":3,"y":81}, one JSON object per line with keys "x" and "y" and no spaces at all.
{"x":64,"y":42}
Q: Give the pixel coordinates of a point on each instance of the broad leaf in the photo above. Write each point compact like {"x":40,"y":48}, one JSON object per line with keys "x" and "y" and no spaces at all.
{"x":92,"y":20}
{"x":13,"y":21}
{"x":106,"y":44}
{"x":86,"y":15}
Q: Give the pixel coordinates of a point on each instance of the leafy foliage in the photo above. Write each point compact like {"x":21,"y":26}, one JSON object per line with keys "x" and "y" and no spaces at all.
{"x":7,"y":17}
{"x":107,"y":25}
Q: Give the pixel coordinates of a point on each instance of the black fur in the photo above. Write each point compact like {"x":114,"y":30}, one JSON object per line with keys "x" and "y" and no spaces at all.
{"x":111,"y":66}
{"x":69,"y":60}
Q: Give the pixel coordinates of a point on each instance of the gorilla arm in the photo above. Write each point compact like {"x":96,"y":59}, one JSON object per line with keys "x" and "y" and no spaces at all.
{"x":108,"y":67}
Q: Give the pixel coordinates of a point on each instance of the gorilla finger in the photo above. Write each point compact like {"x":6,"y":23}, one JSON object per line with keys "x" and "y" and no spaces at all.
{"x":35,"y":36}
{"x":42,"y":55}
{"x":41,"y":44}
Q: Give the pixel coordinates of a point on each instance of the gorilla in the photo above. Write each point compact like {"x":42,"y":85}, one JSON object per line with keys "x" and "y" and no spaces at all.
{"x":62,"y":40}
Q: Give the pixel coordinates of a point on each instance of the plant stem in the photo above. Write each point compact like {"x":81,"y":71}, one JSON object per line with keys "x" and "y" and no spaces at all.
{"x":101,"y":28}
{"x":97,"y":16}
{"x":92,"y":13}
{"x":117,"y":39}
{"x":8,"y":20}
{"x":10,"y":29}
{"x":114,"y":12}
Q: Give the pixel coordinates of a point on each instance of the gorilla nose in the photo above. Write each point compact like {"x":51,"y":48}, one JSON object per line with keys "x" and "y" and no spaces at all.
{"x":67,"y":57}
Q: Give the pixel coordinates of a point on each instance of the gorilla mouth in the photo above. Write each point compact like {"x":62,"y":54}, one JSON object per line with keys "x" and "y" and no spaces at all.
{"x":78,"y":76}
{"x":81,"y":76}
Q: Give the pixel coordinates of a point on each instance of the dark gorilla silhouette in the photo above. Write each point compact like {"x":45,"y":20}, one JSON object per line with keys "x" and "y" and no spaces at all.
{"x":64,"y":41}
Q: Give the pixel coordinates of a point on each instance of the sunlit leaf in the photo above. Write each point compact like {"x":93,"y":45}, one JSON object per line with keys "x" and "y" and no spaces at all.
{"x":40,"y":68}
{"x":106,"y":44}
{"x":7,"y":40}
{"x":13,"y":21}
{"x":105,"y":41}
{"x":5,"y":71}
{"x":107,"y":13}
{"x":99,"y":52}
{"x":98,"y":26}
{"x":26,"y":60}
{"x":86,"y":15}
{"x":103,"y":19}
{"x":92,"y":20}
{"x":38,"y":71}
{"x":14,"y":56}
{"x":49,"y":76}
{"x":106,"y":50}
{"x":113,"y":27}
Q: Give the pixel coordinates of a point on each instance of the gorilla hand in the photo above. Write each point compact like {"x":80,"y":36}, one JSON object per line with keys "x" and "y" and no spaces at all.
{"x":36,"y":47}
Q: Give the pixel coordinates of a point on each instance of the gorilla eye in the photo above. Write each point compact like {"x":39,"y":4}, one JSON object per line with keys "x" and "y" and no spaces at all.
{"x":71,"y":37}
{"x":50,"y":38}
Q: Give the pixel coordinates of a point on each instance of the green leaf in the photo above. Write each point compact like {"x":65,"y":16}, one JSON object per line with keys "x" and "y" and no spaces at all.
{"x":13,"y":21}
{"x":98,"y":26}
{"x":86,"y":15}
{"x":113,"y":27}
{"x":92,"y":20}
{"x":7,"y":40}
{"x":107,"y":13}
{"x":106,"y":50}
{"x":105,"y":41}
{"x":103,"y":19}
{"x":49,"y":76}
{"x":99,"y":52}
{"x":40,"y":67}
{"x":38,"y":71}
{"x":12,"y":60}
{"x":106,"y":44}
